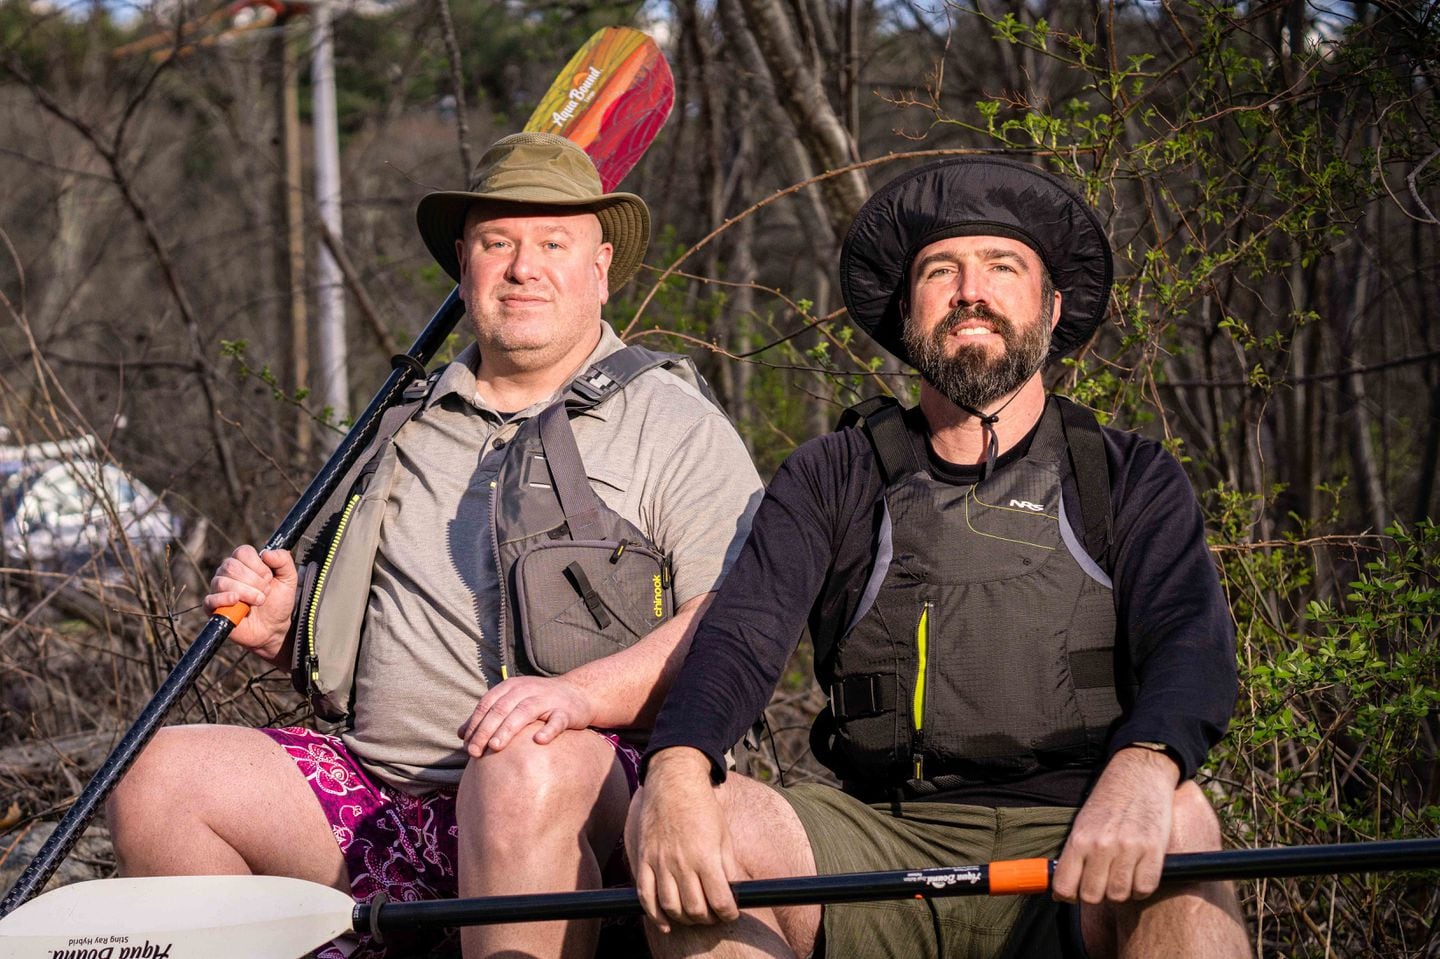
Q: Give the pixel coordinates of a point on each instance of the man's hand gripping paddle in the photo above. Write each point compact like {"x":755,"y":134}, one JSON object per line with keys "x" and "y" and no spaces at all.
{"x":611,"y":98}
{"x":264,"y":917}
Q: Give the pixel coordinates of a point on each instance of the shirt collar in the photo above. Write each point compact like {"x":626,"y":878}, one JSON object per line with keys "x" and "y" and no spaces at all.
{"x":458,"y":377}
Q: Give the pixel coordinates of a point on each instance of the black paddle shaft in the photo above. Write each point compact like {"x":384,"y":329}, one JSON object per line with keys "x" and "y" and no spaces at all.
{"x":1397,"y":856}
{"x":188,"y":669}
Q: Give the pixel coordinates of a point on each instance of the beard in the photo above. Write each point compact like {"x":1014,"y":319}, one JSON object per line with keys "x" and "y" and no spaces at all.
{"x":970,"y":377}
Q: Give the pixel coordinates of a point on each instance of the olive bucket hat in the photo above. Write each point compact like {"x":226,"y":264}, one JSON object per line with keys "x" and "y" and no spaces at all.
{"x":975,"y":196}
{"x":539,"y":169}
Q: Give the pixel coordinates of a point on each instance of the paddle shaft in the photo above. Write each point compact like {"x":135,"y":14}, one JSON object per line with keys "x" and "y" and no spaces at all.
{"x":213,"y":636}
{"x":1017,"y":877}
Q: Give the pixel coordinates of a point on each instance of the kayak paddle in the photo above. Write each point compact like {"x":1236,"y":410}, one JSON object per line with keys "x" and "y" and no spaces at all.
{"x":265,"y":917}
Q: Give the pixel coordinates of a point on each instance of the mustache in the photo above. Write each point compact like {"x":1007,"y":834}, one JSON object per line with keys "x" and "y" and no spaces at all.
{"x":962,"y":314}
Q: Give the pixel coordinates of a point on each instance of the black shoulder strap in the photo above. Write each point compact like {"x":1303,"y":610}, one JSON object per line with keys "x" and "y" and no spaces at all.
{"x":602,"y":380}
{"x":412,"y":400}
{"x":1091,"y":468}
{"x":883,"y":419}
{"x":611,"y":374}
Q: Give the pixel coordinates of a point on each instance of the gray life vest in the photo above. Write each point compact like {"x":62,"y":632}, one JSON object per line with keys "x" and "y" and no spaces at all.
{"x":982,"y":648}
{"x":578,"y":581}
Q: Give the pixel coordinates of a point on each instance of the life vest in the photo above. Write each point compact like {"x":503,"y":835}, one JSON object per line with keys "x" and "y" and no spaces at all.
{"x":579,"y":581}
{"x":982,"y":648}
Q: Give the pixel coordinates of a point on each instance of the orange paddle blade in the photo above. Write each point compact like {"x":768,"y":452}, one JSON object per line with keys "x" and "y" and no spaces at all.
{"x":611,"y":99}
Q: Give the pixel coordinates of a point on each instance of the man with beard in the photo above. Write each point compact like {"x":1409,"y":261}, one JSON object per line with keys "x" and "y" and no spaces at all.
{"x":1016,"y":621}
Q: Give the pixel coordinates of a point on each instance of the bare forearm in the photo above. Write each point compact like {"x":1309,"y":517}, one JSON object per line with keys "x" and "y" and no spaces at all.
{"x":627,"y":688}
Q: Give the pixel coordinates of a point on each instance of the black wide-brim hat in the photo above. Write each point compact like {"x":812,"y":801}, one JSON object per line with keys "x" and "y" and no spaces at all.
{"x":975,"y":196}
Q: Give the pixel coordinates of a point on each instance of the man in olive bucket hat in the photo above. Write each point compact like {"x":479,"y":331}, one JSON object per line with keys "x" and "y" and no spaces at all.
{"x":489,"y":612}
{"x":1022,"y":638}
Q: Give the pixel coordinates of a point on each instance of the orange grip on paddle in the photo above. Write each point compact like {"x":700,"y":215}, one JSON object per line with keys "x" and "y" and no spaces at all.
{"x":1016,"y":877}
{"x":234,"y":612}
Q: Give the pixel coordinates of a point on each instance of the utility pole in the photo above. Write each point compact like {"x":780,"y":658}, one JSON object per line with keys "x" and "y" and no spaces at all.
{"x":330,"y":290}
{"x":293,"y":205}
{"x":232,"y":19}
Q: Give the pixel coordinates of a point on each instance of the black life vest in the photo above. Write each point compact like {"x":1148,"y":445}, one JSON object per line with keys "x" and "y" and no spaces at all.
{"x":981,"y":648}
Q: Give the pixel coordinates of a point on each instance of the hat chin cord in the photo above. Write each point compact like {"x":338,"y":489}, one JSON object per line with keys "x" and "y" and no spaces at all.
{"x":987,"y":425}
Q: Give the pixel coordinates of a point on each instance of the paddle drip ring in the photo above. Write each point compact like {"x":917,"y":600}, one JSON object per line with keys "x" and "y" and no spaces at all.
{"x":376,"y":901}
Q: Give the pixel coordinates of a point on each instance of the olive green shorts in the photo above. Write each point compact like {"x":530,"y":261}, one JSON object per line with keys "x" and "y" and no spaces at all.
{"x":847,"y":835}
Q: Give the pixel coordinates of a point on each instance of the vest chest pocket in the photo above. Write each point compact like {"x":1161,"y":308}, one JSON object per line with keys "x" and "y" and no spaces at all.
{"x":579,"y":601}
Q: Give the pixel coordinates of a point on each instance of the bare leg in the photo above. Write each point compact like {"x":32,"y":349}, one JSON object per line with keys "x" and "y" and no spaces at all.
{"x":1193,"y":921}
{"x":221,"y":800}
{"x":539,"y":819}
{"x":769,"y":842}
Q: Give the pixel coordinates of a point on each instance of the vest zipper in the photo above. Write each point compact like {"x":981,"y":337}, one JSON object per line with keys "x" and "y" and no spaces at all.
{"x":500,"y":640}
{"x":922,"y":673}
{"x":313,"y":661}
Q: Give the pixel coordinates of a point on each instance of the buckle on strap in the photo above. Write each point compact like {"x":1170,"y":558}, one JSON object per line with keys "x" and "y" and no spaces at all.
{"x":594,"y":385}
{"x":856,"y":697}
{"x":576,"y":574}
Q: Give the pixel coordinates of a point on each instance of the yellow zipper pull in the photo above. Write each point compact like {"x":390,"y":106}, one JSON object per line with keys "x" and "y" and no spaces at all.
{"x":917,"y":705}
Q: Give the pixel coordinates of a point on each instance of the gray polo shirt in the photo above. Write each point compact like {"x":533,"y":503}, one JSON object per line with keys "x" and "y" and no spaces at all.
{"x":658,"y":453}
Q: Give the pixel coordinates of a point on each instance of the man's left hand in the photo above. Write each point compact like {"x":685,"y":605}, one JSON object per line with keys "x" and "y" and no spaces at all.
{"x":516,"y":703}
{"x":1116,"y":848}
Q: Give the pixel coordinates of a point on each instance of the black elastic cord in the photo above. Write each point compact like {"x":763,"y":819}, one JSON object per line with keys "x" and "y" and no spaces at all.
{"x":935,"y":925}
{"x":774,"y":749}
{"x":987,"y":423}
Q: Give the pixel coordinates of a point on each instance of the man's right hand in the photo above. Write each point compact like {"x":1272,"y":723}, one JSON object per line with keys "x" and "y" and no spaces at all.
{"x":266,"y":582}
{"x":684,"y":860}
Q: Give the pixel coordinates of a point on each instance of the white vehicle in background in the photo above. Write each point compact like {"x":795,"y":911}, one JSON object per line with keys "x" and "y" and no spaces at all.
{"x":63,"y":508}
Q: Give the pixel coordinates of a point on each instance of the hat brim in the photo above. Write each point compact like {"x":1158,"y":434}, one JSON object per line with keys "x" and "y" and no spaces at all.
{"x":624,"y":224}
{"x":975,"y":196}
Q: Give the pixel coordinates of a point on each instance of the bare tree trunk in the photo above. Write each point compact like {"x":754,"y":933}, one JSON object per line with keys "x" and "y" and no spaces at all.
{"x":742,"y":311}
{"x":292,"y":186}
{"x":457,"y":80}
{"x":1356,"y":415}
{"x":850,"y":74}
{"x":711,"y":143}
{"x":1425,"y":479}
{"x":822,"y":413}
{"x":796,"y":77}
{"x":1299,"y":471}
{"x":794,"y":158}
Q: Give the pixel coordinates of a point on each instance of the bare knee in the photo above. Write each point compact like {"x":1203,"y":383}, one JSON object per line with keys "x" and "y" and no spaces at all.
{"x":151,"y":786}
{"x":766,"y":835}
{"x":159,"y":799}
{"x":524,"y":776}
{"x":1194,"y":825}
{"x":527,"y":789}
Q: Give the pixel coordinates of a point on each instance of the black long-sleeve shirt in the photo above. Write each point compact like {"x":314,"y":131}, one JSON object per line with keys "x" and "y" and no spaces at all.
{"x":816,"y":523}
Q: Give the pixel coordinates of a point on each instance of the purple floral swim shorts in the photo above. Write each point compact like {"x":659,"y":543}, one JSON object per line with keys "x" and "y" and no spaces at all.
{"x":403,"y":845}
